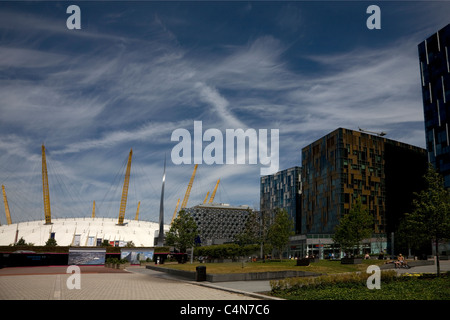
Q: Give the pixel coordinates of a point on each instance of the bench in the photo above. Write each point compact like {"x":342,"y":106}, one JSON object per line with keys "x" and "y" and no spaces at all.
{"x":304,"y":262}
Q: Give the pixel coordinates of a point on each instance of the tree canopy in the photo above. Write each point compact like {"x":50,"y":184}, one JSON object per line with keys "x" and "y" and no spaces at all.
{"x":354,"y":226}
{"x":430,"y":219}
{"x":183,"y":232}
{"x":51,"y":243}
{"x":280,"y":230}
{"x":252,"y":231}
{"x":256,"y":231}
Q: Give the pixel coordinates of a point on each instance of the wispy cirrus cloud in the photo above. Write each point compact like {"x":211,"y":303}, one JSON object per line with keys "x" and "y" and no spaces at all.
{"x":148,"y":133}
{"x":220,"y":106}
{"x":124,"y":81}
{"x":365,"y":85}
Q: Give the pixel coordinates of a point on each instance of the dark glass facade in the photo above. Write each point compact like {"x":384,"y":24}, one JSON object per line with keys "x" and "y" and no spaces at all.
{"x":345,"y":165}
{"x":283,"y":190}
{"x":435,"y":80}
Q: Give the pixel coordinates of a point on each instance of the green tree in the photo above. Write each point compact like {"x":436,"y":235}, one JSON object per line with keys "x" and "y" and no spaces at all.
{"x":21,"y":242}
{"x":183,"y":232}
{"x":256,"y":231}
{"x":106,"y":243}
{"x":51,"y":243}
{"x":280,"y":230}
{"x":251,"y":233}
{"x":406,"y":238}
{"x":354,"y":226}
{"x":430,"y":219}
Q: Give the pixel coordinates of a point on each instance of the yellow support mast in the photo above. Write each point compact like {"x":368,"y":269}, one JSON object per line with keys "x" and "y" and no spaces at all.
{"x":45,"y":189}
{"x":206,"y":198}
{"x":214,"y":192}
{"x":5,"y":201}
{"x":123,"y":202}
{"x":137,"y":211}
{"x":93,"y":210}
{"x":175,"y":212}
{"x":188,"y":191}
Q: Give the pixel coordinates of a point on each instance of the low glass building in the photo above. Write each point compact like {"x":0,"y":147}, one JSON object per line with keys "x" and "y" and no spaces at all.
{"x":283,"y":190}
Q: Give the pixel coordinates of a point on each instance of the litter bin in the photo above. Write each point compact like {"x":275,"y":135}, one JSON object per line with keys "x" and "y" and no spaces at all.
{"x":201,"y":273}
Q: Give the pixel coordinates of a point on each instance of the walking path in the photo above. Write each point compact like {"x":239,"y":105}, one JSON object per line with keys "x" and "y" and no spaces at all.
{"x":443,"y":264}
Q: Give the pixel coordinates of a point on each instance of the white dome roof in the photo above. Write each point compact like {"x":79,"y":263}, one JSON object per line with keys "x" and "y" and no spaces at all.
{"x":81,"y":232}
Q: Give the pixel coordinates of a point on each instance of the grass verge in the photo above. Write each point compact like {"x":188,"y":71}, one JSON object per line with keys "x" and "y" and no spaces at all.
{"x":323,"y":266}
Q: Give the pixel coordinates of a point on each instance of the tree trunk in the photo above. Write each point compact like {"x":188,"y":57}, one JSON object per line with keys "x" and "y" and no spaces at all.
{"x":437,"y":258}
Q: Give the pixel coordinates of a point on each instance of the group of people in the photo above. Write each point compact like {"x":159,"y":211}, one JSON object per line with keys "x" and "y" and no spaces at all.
{"x":400,"y":262}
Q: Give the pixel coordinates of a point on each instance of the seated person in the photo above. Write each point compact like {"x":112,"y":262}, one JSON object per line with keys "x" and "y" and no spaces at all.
{"x":400,"y":261}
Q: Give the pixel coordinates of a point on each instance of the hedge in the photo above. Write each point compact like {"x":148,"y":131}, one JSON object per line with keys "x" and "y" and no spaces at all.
{"x":342,"y":280}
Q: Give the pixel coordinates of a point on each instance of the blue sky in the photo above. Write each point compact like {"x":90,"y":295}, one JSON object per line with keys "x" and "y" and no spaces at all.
{"x":137,"y":71}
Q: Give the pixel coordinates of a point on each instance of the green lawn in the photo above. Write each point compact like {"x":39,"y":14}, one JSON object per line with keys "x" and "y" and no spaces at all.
{"x":323,"y":266}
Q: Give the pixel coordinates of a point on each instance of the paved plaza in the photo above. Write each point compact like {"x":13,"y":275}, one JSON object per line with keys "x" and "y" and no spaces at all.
{"x":134,"y":283}
{"x":50,"y":283}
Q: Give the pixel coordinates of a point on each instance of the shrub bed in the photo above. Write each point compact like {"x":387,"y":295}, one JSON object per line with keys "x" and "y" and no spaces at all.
{"x":353,"y":286}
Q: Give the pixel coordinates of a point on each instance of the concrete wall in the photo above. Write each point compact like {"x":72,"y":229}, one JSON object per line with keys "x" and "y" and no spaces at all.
{"x":191,"y":275}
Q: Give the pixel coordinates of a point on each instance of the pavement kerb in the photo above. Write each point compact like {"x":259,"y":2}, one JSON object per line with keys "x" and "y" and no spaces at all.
{"x":250,"y":294}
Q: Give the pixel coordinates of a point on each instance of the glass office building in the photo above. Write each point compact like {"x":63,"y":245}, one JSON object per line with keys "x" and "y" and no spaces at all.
{"x":283,"y":190}
{"x":435,"y":80}
{"x":345,"y":165}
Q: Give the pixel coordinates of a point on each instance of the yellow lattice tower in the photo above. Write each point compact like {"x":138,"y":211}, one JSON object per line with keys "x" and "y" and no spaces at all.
{"x":45,"y":189}
{"x":188,"y":191}
{"x":93,"y":210}
{"x":214,"y":192}
{"x":123,"y":202}
{"x":5,"y":201}
{"x":137,"y":211}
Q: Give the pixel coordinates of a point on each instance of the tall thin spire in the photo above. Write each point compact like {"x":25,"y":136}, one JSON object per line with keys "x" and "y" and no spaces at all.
{"x":161,"y":209}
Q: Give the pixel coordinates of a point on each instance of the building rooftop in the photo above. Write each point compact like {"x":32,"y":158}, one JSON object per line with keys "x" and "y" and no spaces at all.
{"x":222,"y":206}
